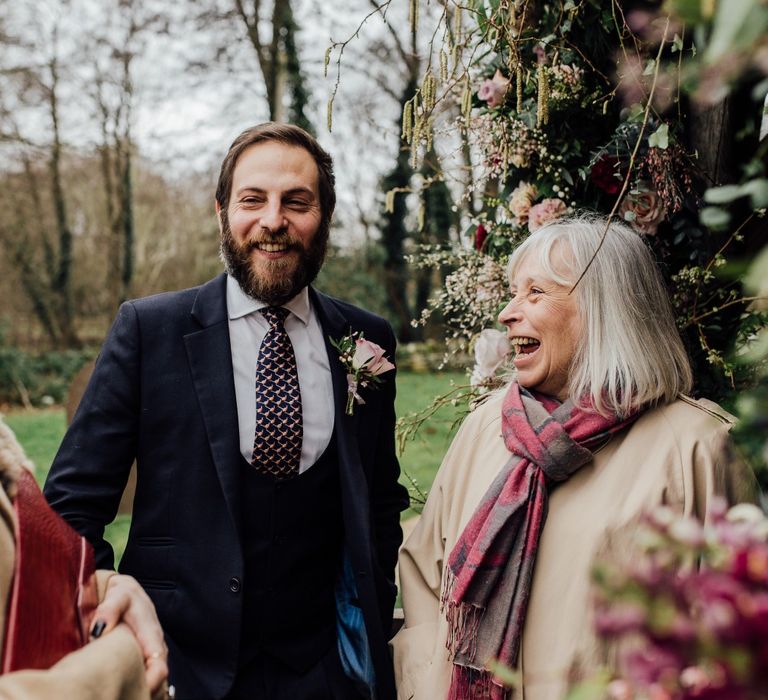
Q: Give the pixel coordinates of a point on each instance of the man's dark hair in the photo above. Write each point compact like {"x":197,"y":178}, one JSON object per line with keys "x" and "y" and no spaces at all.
{"x":292,"y":136}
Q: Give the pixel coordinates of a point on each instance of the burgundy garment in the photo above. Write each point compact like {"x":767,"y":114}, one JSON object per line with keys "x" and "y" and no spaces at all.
{"x":54,"y":593}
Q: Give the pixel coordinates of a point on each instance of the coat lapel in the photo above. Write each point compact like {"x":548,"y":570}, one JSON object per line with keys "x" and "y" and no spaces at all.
{"x":353,"y":482}
{"x":210,"y":361}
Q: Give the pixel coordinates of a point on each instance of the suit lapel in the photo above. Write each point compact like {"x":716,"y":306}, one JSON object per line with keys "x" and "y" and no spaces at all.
{"x":353,"y":482}
{"x":210,"y":361}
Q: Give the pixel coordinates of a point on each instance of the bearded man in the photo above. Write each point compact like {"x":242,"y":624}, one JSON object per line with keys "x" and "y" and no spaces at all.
{"x":266,"y":520}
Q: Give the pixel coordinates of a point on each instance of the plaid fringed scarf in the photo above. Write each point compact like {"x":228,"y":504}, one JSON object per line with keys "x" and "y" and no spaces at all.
{"x":490,"y":568}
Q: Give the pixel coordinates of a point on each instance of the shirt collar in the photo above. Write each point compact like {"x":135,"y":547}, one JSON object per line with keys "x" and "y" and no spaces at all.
{"x":239,"y":304}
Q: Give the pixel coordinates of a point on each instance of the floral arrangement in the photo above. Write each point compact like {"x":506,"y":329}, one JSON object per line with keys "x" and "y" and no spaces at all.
{"x":578,"y":105}
{"x":364,"y":362}
{"x":689,"y":615}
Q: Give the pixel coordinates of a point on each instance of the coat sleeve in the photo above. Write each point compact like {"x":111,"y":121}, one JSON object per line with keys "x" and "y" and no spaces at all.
{"x":110,"y":668}
{"x":388,"y":497}
{"x":420,"y":643}
{"x":712,"y":467}
{"x":91,"y":468}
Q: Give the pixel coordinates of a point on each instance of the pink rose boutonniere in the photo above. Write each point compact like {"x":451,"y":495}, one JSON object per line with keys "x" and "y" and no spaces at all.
{"x":364,"y":362}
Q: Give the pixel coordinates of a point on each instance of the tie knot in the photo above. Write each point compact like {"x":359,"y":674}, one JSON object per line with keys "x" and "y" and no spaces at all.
{"x":275,"y":315}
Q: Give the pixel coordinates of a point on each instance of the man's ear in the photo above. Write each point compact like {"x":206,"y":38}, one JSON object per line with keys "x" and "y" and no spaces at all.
{"x":217,"y":206}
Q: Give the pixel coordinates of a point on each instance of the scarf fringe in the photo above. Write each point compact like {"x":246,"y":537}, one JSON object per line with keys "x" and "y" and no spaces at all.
{"x":475,"y":684}
{"x":463,"y":621}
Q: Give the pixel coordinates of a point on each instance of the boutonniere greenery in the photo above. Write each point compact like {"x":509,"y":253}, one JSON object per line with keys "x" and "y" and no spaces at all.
{"x":364,"y":362}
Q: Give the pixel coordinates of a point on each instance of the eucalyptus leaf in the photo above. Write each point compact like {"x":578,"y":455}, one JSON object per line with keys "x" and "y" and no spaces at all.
{"x":758,"y":192}
{"x":714,"y":218}
{"x":724,"y":194}
{"x":760,"y":91}
{"x":756,"y":280}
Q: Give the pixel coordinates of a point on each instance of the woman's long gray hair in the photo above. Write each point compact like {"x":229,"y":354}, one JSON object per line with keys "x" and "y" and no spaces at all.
{"x":630,"y":353}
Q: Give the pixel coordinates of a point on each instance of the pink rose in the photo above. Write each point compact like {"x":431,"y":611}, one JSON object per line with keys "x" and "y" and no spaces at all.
{"x":644,"y":210}
{"x":545,"y":211}
{"x":370,"y":357}
{"x":520,"y":202}
{"x":493,"y":91}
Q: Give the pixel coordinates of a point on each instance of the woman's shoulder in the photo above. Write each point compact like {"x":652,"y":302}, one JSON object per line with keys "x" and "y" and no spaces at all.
{"x":692,"y":415}
{"x":485,"y":411}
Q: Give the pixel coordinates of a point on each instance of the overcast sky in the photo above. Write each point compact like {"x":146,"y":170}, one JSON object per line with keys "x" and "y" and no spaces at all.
{"x":184,"y":119}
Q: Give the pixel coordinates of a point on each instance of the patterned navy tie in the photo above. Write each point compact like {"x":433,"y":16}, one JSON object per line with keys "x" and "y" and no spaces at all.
{"x":277,"y":444}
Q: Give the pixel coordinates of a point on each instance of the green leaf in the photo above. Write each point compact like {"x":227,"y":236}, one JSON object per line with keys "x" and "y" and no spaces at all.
{"x":757,"y":191}
{"x":689,"y":11}
{"x":714,"y":218}
{"x":509,"y":677}
{"x":660,"y":137}
{"x":677,"y":44}
{"x":650,"y":66}
{"x":724,"y":194}
{"x":756,"y":280}
{"x":759,"y":92}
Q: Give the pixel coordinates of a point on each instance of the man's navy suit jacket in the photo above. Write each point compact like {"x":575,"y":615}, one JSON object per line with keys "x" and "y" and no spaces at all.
{"x":162,"y":393}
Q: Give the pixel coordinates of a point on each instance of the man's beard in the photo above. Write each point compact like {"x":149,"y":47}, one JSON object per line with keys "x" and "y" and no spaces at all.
{"x":285,"y":278}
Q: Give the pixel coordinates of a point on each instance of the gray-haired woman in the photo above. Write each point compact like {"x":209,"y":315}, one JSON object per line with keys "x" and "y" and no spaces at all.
{"x":498,"y":566}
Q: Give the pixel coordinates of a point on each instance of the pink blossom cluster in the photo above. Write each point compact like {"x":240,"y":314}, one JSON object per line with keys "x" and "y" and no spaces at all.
{"x":691,"y":615}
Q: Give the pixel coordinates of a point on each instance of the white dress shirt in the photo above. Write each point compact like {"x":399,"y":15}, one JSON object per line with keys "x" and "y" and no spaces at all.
{"x":247,"y":328}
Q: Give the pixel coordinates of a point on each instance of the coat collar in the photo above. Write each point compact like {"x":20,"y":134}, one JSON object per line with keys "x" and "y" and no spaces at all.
{"x":210,"y":305}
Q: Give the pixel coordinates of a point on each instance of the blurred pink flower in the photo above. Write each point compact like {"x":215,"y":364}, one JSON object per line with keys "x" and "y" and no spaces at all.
{"x":643,"y":209}
{"x":492,"y":91}
{"x":620,"y":618}
{"x":545,"y":211}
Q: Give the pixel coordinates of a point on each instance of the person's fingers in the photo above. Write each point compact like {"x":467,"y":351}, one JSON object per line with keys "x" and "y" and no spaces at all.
{"x":111,"y":610}
{"x":156,"y":670}
{"x":126,"y":601}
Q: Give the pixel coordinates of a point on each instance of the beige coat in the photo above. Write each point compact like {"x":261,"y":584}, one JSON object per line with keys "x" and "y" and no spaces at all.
{"x":111,"y":668}
{"x":672,"y":455}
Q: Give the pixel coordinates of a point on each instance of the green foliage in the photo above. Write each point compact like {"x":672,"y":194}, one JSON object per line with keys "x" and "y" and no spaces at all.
{"x":38,"y":379}
{"x":355,"y":275}
{"x":40,"y":433}
{"x":423,"y":451}
{"x":578,"y":106}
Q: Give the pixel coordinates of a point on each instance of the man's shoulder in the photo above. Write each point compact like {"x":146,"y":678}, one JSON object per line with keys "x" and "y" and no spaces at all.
{"x":181,"y":300}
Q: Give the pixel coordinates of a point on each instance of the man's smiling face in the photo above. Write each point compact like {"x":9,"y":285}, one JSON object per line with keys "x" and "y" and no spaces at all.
{"x":269,"y":231}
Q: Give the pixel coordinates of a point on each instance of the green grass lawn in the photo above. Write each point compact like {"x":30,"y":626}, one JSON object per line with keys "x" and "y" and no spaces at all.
{"x":40,"y":432}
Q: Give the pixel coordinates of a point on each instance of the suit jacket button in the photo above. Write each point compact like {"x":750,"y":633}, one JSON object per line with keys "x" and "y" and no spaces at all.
{"x":235,"y":585}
